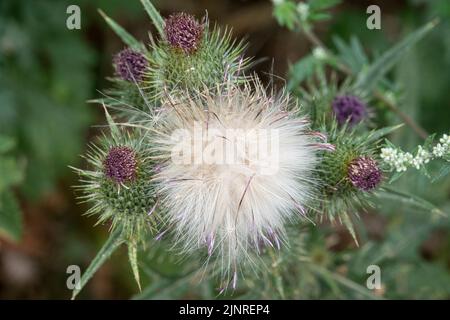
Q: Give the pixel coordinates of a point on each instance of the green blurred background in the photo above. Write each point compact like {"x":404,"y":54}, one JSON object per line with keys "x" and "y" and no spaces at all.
{"x":47,"y":74}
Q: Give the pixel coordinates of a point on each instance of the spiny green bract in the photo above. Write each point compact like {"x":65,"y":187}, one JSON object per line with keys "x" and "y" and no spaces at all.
{"x":127,"y":204}
{"x":128,"y":99}
{"x":217,"y":58}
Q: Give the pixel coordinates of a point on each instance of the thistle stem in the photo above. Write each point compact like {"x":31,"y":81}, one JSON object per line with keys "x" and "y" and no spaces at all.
{"x":421,"y":132}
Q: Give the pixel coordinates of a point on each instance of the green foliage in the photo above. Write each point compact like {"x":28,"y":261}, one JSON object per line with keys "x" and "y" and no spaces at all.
{"x":10,"y":171}
{"x":352,"y":54}
{"x":11,"y":175}
{"x":127,"y":38}
{"x":10,"y":216}
{"x":133,"y":258}
{"x":286,"y":14}
{"x":309,"y":270}
{"x":409,"y":199}
{"x":369,"y":78}
{"x":154,"y":15}
{"x":302,"y":14}
{"x":301,"y":70}
{"x":45,"y":79}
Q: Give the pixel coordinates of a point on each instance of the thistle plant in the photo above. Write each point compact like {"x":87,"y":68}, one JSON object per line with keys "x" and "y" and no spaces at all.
{"x":188,"y":55}
{"x":184,"y":164}
{"x":350,"y":173}
{"x":192,"y":54}
{"x":117,"y":187}
{"x":128,"y":95}
{"x":117,"y":184}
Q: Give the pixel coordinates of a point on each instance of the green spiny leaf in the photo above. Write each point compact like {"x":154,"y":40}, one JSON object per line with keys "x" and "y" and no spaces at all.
{"x":301,"y":70}
{"x":115,"y":132}
{"x":349,"y":225}
{"x":127,"y":38}
{"x":368,"y":79}
{"x":407,"y":198}
{"x":378,"y":134}
{"x":113,"y":242}
{"x":158,"y":21}
{"x":351,"y":54}
{"x":286,"y":14}
{"x":132,"y":255}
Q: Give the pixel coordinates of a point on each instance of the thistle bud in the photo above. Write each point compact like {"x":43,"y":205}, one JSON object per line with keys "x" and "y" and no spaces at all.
{"x":118,"y":185}
{"x":183,"y":32}
{"x":349,"y":109}
{"x":347,"y":174}
{"x":120,"y":164}
{"x":192,"y":56}
{"x":364,"y":174}
{"x":130,"y":65}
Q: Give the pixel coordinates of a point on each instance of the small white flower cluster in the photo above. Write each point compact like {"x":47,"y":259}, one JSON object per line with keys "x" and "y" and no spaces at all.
{"x":400,"y":161}
{"x":422,"y":157}
{"x":396,"y":158}
{"x":442,"y":147}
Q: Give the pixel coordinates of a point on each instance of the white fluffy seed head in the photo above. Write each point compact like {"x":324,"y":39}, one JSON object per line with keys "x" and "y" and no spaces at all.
{"x":232,"y":204}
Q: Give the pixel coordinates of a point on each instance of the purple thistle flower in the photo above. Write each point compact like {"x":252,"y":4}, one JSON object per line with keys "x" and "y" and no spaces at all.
{"x":183,"y":32}
{"x":349,"y":108}
{"x":120,"y":164}
{"x":364,"y":174}
{"x":130,"y":65}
